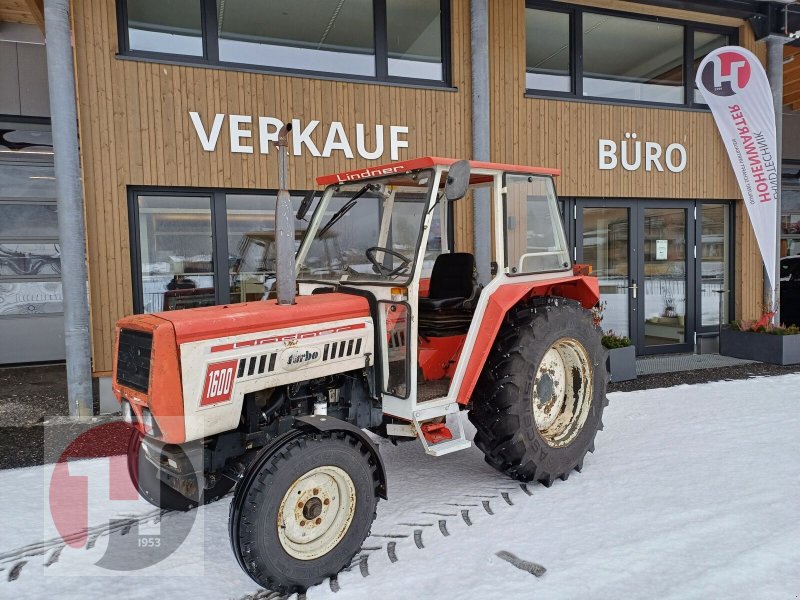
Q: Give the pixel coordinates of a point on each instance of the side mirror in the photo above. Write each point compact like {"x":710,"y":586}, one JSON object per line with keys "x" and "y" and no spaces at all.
{"x":457,"y":180}
{"x":305,"y":204}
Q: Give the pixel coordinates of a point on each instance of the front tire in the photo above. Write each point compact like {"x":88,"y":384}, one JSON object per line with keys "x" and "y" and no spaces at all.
{"x":539,"y":401}
{"x":303,"y":510}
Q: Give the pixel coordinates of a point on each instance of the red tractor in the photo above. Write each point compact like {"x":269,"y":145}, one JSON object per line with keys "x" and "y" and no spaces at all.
{"x":389,"y":333}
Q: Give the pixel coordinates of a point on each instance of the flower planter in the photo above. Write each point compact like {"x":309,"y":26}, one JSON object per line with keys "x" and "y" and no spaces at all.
{"x":763,"y":347}
{"x":621,"y":364}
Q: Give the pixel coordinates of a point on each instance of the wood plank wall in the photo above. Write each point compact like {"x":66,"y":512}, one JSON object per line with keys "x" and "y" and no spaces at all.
{"x":135,"y":130}
{"x":564,"y":135}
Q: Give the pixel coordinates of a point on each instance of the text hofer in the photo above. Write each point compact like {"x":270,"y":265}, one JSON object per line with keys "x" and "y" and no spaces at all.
{"x":244,"y":129}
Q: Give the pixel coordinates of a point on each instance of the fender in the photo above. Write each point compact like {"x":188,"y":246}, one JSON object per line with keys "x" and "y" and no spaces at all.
{"x":585,"y":290}
{"x":325,"y":424}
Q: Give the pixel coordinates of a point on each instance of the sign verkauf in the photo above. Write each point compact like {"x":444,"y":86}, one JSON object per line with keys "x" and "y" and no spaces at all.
{"x":248,"y":134}
{"x":736,"y":88}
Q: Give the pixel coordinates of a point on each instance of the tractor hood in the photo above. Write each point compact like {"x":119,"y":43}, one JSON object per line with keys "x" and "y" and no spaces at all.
{"x":210,"y":322}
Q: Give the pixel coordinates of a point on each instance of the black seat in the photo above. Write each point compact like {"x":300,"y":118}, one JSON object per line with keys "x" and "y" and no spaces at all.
{"x":453,"y":285}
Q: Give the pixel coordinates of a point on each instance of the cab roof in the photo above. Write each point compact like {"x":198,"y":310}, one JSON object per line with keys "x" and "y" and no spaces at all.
{"x":427,"y":162}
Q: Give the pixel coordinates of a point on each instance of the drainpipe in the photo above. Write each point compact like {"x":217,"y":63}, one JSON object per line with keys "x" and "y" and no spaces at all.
{"x":481,"y":215}
{"x":775,"y":45}
{"x":69,"y":194}
{"x":284,"y":224}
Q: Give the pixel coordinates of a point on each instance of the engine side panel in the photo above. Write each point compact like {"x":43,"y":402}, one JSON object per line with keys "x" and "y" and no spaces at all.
{"x":217,"y":373}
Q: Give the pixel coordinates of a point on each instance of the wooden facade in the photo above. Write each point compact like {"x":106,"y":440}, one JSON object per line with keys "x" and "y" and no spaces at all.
{"x":135,"y":130}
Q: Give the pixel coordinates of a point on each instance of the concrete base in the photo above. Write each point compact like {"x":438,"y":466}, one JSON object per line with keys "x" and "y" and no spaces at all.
{"x":108,"y":403}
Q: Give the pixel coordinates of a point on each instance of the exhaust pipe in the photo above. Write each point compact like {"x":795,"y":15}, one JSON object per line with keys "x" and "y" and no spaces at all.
{"x":286,"y":280}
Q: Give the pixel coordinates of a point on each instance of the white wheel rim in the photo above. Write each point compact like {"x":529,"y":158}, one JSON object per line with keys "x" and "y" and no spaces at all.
{"x":562,"y":392}
{"x":316,"y":512}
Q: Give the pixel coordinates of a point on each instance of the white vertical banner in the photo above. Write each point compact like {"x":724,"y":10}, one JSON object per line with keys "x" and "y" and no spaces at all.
{"x":735,"y":87}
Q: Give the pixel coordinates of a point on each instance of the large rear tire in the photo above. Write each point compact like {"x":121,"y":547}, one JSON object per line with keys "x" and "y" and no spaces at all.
{"x":539,"y":401}
{"x":145,"y":479}
{"x":303,"y":509}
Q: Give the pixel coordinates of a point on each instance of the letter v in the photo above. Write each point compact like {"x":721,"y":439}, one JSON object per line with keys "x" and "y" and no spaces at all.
{"x":209,"y":142}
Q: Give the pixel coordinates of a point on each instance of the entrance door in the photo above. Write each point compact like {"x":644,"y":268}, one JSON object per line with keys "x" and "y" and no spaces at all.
{"x":640,"y":251}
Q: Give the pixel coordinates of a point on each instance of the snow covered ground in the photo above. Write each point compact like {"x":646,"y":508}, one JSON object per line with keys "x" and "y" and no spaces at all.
{"x":693,"y":492}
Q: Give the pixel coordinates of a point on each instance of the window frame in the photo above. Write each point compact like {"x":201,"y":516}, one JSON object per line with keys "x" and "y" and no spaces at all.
{"x":210,"y":56}
{"x":576,"y":13}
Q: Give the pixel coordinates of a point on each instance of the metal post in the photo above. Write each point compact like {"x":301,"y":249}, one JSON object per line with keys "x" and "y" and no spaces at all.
{"x":481,"y":215}
{"x":775,"y":45}
{"x":69,"y":193}
{"x":284,"y":224}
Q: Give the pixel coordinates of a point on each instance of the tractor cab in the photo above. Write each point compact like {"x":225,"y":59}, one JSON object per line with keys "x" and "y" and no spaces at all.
{"x":401,"y":243}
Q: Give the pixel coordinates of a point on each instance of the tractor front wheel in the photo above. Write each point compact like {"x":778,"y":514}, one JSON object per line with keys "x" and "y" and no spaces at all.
{"x":539,"y":401}
{"x":303,"y":509}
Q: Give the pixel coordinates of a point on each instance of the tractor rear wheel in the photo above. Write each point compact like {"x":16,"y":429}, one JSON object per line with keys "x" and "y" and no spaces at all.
{"x":539,"y":401}
{"x":303,"y":509}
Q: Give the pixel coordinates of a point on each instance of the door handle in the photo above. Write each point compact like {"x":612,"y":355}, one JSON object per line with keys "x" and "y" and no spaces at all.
{"x":634,"y":288}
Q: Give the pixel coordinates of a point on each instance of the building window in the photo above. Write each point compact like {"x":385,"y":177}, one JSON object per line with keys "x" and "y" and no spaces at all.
{"x":202,"y":247}
{"x":790,"y":214}
{"x":714,"y":267}
{"x":384,"y":40}
{"x":597,"y":54}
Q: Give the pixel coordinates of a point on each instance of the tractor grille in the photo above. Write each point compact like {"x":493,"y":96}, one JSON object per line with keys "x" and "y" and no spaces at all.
{"x":133,"y":359}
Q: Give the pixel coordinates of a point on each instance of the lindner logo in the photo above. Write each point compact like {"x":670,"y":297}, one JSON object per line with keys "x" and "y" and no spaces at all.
{"x":726,"y":74}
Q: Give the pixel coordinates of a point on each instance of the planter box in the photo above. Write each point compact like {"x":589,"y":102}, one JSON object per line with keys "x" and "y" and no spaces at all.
{"x":621,"y":364}
{"x":763,"y":347}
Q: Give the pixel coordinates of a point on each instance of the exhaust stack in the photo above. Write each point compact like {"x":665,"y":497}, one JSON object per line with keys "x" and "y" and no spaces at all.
{"x":284,"y":224}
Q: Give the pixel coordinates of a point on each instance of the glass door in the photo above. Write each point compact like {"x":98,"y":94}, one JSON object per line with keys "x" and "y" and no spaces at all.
{"x":666,"y":299}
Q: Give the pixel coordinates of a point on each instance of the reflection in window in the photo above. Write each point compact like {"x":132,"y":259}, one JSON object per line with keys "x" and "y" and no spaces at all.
{"x":715,"y":287}
{"x":168,"y":26}
{"x":790,"y":219}
{"x":313,"y":35}
{"x":251,"y":244}
{"x":415,"y":38}
{"x":632,"y":59}
{"x":547,"y":50}
{"x":176,"y":252}
{"x":704,"y":44}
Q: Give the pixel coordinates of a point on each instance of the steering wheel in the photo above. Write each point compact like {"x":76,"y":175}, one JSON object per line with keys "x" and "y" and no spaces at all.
{"x":383,"y":269}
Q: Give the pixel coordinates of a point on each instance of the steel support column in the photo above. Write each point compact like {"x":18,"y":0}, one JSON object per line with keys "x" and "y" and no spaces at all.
{"x":69,"y":194}
{"x":481,"y":150}
{"x":775,"y":45}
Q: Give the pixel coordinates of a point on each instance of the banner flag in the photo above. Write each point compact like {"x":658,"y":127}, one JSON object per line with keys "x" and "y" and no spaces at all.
{"x":735,"y":87}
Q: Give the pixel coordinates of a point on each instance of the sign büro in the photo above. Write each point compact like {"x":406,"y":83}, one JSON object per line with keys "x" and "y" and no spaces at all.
{"x":633,"y":154}
{"x":249,"y":134}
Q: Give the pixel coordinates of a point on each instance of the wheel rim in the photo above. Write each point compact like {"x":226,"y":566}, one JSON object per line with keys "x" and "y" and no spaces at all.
{"x":562,"y":392}
{"x":316,"y":512}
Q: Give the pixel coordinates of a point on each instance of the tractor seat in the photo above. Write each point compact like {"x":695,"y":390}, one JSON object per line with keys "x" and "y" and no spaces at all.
{"x":453,"y":286}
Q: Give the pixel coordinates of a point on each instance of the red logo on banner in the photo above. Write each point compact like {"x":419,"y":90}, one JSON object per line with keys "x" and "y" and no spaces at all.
{"x":219,"y":382}
{"x":727,"y":74}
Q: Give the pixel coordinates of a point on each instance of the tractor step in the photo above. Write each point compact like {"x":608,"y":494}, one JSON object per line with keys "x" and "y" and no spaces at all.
{"x":435,"y":435}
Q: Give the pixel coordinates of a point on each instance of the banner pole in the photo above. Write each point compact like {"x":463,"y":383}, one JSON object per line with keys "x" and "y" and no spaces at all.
{"x":775,"y":45}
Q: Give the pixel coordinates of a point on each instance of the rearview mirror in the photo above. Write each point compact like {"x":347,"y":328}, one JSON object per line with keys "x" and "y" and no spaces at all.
{"x":457,"y":180}
{"x":305,"y":204}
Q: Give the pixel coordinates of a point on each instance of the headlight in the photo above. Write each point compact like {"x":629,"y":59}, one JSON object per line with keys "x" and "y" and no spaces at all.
{"x":127,"y":412}
{"x":149,"y":423}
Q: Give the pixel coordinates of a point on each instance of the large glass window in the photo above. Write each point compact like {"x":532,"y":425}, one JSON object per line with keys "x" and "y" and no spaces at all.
{"x":316,"y":35}
{"x":650,"y":68}
{"x":589,"y":53}
{"x":714,"y":268}
{"x":402,"y":40}
{"x":790,"y":218}
{"x":175,"y":252}
{"x":414,"y":34}
{"x":548,"y":50}
{"x":166,"y":26}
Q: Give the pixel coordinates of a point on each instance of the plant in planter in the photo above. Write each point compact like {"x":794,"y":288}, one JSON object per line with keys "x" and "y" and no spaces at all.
{"x":762,"y":341}
{"x":621,"y":357}
{"x":621,"y":361}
